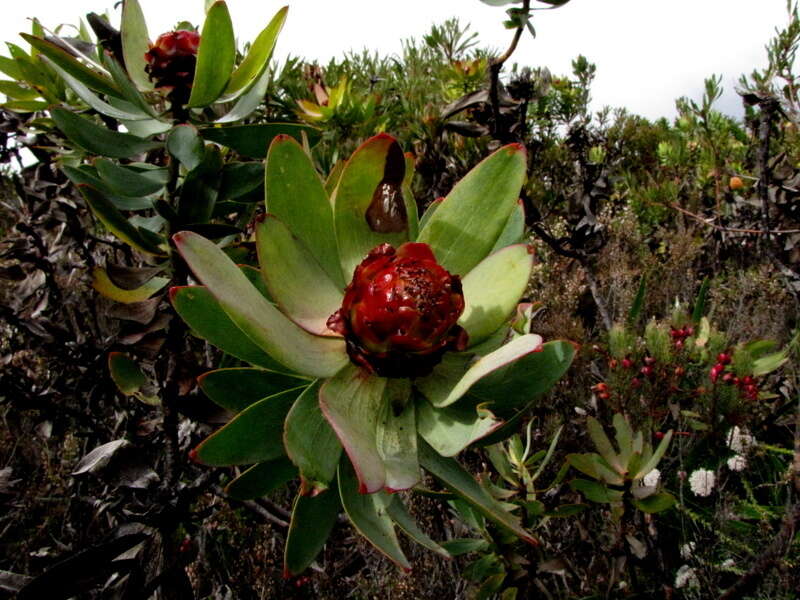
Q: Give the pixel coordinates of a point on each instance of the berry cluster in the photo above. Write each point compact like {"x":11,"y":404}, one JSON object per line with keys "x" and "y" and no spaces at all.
{"x":748,"y":386}
{"x":679,"y":335}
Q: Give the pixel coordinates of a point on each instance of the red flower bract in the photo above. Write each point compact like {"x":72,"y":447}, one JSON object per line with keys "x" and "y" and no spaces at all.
{"x":400,"y":311}
{"x":172,"y":59}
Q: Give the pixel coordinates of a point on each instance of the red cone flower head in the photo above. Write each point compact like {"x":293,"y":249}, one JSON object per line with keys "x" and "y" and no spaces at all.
{"x":172,"y":59}
{"x":400,"y":311}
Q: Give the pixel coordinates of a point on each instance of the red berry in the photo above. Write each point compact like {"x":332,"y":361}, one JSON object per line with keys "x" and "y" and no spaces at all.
{"x":748,"y":380}
{"x":613,"y":363}
{"x":649,"y":360}
{"x":604,"y":395}
{"x":679,"y":371}
{"x":724,"y":358}
{"x":679,"y":345}
{"x":728,"y":377}
{"x":659,"y":435}
{"x":689,"y":330}
{"x":635,"y":382}
{"x":627,"y":363}
{"x":400,"y":311}
{"x":600,"y":387}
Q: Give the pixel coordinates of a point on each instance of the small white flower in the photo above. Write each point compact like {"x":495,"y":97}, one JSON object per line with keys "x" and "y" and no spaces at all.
{"x":737,"y":463}
{"x":702,"y":482}
{"x":728,"y":563}
{"x":687,"y":550}
{"x":686,"y":577}
{"x":740,"y":440}
{"x":652,"y":478}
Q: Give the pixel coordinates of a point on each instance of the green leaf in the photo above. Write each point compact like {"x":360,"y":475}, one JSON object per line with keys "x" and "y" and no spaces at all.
{"x":450,"y":430}
{"x":185,"y":144}
{"x":353,"y":403}
{"x":130,"y":93}
{"x":240,"y":179}
{"x":255,"y":316}
{"x":313,"y":518}
{"x":596,"y":491}
{"x":514,"y":385}
{"x":295,"y":195}
{"x":261,"y":479}
{"x":97,"y":139}
{"x":653,"y":461}
{"x":135,"y":43}
{"x":116,"y":223}
{"x":253,"y":436}
{"x":638,"y":301}
{"x":368,"y":513}
{"x":459,"y":546}
{"x":126,"y":373}
{"x":396,"y":436}
{"x":25,"y":105}
{"x":461,"y":483}
{"x":604,"y":446}
{"x":238,"y":388}
{"x":370,"y":188}
{"x":207,"y":320}
{"x":200,"y":188}
{"x":106,"y":287}
{"x":249,"y":101}
{"x":566,"y":510}
{"x":88,"y":175}
{"x":769,"y":363}
{"x":514,"y":229}
{"x":467,"y":224}
{"x":90,"y":98}
{"x":125,"y":181}
{"x":99,"y":82}
{"x":255,"y":63}
{"x":294,"y":278}
{"x":509,"y":353}
{"x":215,"y":56}
{"x":492,"y":290}
{"x":624,"y":435}
{"x":9,"y":67}
{"x":399,"y":514}
{"x":585,"y":463}
{"x":700,"y":302}
{"x":655,"y":503}
{"x":254,"y":140}
{"x":311,"y":443}
{"x":17,"y":92}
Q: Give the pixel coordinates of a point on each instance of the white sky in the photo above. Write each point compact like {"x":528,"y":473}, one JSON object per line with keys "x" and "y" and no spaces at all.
{"x":648,"y":52}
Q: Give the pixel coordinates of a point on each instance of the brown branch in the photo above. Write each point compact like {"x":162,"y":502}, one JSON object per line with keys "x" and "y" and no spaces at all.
{"x":728,"y":229}
{"x":496,"y":65}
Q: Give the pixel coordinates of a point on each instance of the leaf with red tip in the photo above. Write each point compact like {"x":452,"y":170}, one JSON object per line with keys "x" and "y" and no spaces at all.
{"x":295,"y":195}
{"x":253,"y":436}
{"x":295,"y":280}
{"x":353,"y":403}
{"x":368,"y":513}
{"x":461,"y":483}
{"x":311,"y":443}
{"x":255,"y":316}
{"x":368,"y":204}
{"x":465,"y":227}
{"x":313,"y":518}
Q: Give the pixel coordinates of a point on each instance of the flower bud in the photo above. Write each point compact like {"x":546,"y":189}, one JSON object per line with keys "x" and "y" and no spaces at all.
{"x":171,"y":61}
{"x":400,"y":311}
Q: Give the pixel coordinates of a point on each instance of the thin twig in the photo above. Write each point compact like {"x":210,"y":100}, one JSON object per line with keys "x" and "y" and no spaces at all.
{"x":496,"y":66}
{"x":708,"y":223}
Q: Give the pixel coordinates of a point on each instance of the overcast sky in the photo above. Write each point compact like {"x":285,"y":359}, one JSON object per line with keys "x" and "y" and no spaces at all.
{"x":648,"y":52}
